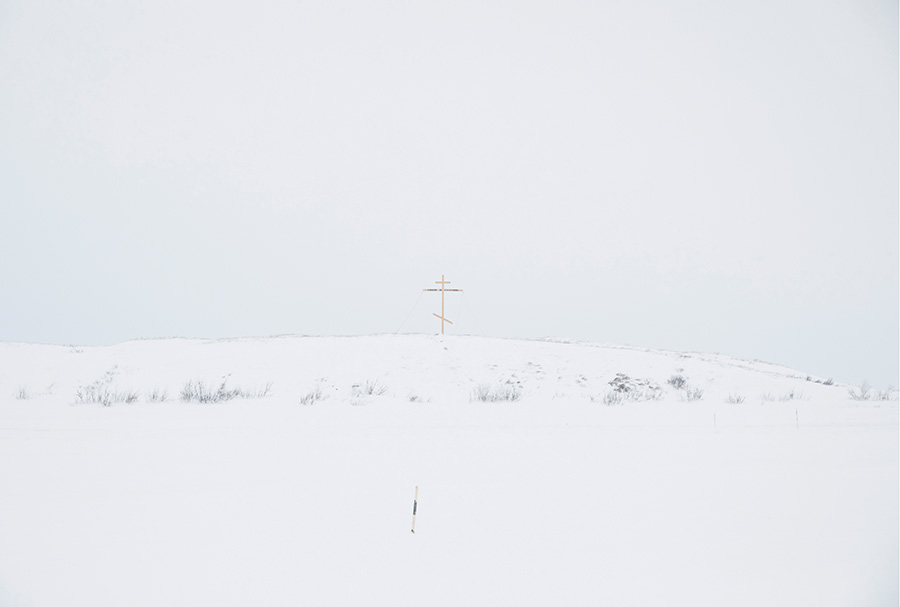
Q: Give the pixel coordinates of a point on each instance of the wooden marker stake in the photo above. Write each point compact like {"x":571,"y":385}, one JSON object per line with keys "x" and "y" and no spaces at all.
{"x":415,"y":501}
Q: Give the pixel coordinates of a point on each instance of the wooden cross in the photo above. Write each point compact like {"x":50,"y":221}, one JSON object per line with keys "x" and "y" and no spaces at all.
{"x":442,"y":282}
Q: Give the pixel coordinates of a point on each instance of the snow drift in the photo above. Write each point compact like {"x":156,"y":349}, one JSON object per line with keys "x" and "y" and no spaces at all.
{"x":281,"y":471}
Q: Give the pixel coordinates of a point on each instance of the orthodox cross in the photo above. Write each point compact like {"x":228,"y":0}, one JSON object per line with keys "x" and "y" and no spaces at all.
{"x":442,"y":282}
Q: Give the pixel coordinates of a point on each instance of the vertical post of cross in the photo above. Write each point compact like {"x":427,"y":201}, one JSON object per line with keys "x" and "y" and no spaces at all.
{"x":443,"y":290}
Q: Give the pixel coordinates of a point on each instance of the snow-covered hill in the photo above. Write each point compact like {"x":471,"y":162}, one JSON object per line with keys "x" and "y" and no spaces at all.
{"x":440,"y":369}
{"x":549,"y":472}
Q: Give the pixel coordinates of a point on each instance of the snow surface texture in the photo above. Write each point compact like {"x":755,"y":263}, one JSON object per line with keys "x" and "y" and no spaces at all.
{"x":549,"y":473}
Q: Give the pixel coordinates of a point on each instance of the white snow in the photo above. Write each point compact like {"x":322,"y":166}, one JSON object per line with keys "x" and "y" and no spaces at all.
{"x":789,"y":498}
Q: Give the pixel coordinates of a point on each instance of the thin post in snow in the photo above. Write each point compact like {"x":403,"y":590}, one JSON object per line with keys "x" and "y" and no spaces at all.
{"x":415,"y":502}
{"x":797,"y":417}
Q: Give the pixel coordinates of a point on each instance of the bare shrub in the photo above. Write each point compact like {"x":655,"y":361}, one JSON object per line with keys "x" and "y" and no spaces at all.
{"x":415,"y":398}
{"x":689,"y":393}
{"x":677,"y":381}
{"x":100,"y":394}
{"x":481,"y":392}
{"x":507,"y":392}
{"x":767,"y":397}
{"x":22,"y":393}
{"x":312,"y":397}
{"x":198,"y":391}
{"x":618,"y":397}
{"x":864,"y":392}
{"x":369,"y":388}
{"x":887,"y":394}
{"x":613,"y":398}
{"x":828,"y":382}
{"x":263,"y":392}
{"x":629,"y":389}
{"x":634,"y":389}
{"x":734,"y":399}
{"x":692,"y":394}
{"x":158,"y":395}
{"x":93,"y":394}
{"x":503,"y":392}
{"x":789,"y":396}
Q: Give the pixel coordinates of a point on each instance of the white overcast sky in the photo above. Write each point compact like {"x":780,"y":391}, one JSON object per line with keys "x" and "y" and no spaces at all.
{"x":710,"y":176}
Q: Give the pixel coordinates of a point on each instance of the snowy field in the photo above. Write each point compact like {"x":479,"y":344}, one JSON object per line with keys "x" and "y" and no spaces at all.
{"x":565,"y":491}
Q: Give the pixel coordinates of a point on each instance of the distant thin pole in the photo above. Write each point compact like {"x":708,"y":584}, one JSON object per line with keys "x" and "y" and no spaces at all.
{"x":415,"y":502}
